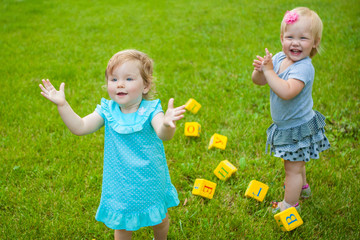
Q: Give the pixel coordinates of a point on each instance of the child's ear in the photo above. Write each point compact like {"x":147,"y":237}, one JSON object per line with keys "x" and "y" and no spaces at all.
{"x":316,"y":42}
{"x":281,"y":38}
{"x":146,"y":89}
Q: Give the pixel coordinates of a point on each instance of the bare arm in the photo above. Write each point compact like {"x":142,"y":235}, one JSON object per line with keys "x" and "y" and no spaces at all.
{"x":258,"y":76}
{"x":164,"y":124}
{"x":286,"y":90}
{"x":77,"y":125}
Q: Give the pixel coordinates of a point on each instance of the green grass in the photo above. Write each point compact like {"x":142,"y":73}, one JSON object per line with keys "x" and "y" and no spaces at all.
{"x":50,"y":180}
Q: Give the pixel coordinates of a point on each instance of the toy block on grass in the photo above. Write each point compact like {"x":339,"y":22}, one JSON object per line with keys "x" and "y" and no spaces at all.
{"x":218,"y":141}
{"x":257,"y":190}
{"x":192,"y":129}
{"x":192,"y":105}
{"x":204,"y":188}
{"x":224,"y":170}
{"x":288,"y":219}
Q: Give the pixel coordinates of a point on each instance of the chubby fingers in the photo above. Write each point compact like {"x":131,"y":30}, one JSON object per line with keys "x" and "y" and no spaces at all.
{"x":171,"y":103}
{"x":268,"y":54}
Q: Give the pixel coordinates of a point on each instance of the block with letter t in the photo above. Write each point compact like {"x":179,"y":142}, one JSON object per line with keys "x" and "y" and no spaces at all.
{"x":288,"y":219}
{"x":257,"y":190}
{"x":204,"y":188}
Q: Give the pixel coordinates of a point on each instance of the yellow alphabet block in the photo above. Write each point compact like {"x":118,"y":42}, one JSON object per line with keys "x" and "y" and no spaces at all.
{"x":288,"y":219}
{"x":257,"y":190}
{"x":224,"y":170}
{"x":204,"y":188}
{"x":218,"y":141}
{"x":192,"y":105}
{"x":192,"y":129}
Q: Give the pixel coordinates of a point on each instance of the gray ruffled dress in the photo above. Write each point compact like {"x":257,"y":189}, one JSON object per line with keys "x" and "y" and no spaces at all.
{"x":297,"y":133}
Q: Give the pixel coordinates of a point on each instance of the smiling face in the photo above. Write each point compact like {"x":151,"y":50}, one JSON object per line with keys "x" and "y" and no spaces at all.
{"x":126,"y":86}
{"x":297,"y":40}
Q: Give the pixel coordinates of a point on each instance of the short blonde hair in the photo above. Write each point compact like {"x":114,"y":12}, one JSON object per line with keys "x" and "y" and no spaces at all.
{"x":316,"y":26}
{"x":145,"y":67}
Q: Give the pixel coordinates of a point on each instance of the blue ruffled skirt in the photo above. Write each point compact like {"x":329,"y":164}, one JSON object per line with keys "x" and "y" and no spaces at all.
{"x":299,"y":143}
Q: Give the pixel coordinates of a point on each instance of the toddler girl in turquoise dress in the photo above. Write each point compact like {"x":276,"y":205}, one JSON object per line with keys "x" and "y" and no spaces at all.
{"x":297,"y":134}
{"x":136,"y":188}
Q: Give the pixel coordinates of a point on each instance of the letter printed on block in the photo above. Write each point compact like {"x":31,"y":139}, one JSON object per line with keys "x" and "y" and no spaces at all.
{"x":192,"y":129}
{"x":224,"y":170}
{"x":257,"y":190}
{"x":218,"y":141}
{"x":192,"y":105}
{"x":204,"y":188}
{"x":288,"y":219}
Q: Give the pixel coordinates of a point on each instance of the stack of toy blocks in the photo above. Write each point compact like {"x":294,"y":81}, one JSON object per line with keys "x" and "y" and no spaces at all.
{"x":288,"y":219}
{"x":224,"y":170}
{"x":204,"y":188}
{"x":257,"y":190}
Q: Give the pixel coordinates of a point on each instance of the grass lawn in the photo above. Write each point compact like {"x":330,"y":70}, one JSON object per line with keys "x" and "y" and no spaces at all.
{"x":50,"y":180}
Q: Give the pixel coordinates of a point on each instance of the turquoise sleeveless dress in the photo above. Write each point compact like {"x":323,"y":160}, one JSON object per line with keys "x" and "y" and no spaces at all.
{"x":136,"y":188}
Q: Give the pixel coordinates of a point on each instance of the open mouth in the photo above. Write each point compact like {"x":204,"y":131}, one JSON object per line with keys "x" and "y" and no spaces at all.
{"x":295,"y":51}
{"x":121,"y":94}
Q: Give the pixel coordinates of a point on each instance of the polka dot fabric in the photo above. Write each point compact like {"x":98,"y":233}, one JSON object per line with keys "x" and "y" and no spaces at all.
{"x":300,"y":143}
{"x":136,"y":188}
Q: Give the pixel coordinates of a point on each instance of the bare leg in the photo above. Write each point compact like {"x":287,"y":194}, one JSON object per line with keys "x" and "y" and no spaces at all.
{"x":122,"y":235}
{"x":161,"y":230}
{"x":304,"y":176}
{"x":293,"y":181}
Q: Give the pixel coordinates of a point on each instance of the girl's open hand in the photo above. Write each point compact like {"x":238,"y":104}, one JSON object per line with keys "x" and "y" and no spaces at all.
{"x":173,"y":114}
{"x":267,"y":61}
{"x":257,"y":63}
{"x":49,"y":92}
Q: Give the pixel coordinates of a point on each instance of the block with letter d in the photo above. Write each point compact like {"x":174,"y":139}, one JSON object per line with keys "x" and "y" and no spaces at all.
{"x":257,"y":190}
{"x":288,"y":219}
{"x":204,"y":188}
{"x":192,"y":105}
{"x":218,"y":141}
{"x":224,"y":170}
{"x":192,"y":129}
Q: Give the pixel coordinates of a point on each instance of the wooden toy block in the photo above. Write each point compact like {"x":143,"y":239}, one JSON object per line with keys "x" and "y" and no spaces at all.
{"x":204,"y":188}
{"x":224,"y":170}
{"x":288,"y":219}
{"x":192,"y":129}
{"x":257,"y":190}
{"x":218,"y":141}
{"x":192,"y":105}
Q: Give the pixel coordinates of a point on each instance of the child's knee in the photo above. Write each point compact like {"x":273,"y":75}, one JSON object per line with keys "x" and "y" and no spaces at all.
{"x":122,"y":234}
{"x":294,"y":167}
{"x":163,"y":224}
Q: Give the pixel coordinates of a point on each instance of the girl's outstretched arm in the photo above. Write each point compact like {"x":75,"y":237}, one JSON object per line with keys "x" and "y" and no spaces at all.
{"x":286,"y":90}
{"x":77,"y":125}
{"x":164,"y":124}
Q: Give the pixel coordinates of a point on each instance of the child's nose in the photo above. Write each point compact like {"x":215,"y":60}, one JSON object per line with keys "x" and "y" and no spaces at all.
{"x":295,"y":42}
{"x":121,"y":83}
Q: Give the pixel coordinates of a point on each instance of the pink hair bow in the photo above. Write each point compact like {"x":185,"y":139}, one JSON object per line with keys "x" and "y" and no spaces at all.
{"x":291,"y":17}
